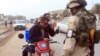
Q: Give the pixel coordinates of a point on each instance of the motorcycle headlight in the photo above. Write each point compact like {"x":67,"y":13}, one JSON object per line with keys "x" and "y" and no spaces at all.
{"x":43,"y":45}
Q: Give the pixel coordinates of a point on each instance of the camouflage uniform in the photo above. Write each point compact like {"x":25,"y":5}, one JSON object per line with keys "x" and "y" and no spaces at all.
{"x":86,"y":23}
{"x":81,"y":23}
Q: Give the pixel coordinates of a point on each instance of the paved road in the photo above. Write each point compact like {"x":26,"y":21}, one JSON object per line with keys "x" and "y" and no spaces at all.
{"x":98,"y":28}
{"x":13,"y":47}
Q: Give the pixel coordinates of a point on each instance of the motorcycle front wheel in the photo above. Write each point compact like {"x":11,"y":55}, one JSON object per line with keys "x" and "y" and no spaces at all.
{"x":45,"y":54}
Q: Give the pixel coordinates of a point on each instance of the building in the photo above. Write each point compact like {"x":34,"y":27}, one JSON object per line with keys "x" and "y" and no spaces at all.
{"x":19,"y":17}
{"x":56,"y":14}
{"x":9,"y":18}
{"x":1,"y":17}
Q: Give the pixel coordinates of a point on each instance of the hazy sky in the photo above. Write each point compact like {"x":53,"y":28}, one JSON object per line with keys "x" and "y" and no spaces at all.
{"x":34,"y":8}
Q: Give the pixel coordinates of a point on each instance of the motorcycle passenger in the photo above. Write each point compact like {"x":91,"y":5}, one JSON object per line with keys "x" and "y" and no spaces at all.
{"x":79,"y":41}
{"x":40,"y":31}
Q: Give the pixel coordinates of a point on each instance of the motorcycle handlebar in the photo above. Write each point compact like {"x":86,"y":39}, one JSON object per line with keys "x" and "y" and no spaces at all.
{"x":54,"y":42}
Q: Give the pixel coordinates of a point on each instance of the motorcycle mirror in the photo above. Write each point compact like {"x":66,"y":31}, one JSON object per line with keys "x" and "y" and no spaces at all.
{"x":21,"y":36}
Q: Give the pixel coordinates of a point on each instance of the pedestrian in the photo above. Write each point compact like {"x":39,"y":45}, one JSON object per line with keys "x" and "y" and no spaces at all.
{"x":11,"y":24}
{"x":82,"y":27}
{"x":6,"y":24}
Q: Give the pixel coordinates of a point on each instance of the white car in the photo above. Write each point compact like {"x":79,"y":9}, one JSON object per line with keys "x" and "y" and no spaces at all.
{"x":62,"y":26}
{"x":19,"y":25}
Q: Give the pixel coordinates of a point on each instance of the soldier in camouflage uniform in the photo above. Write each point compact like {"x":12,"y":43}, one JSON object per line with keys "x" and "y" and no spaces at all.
{"x":82,"y":26}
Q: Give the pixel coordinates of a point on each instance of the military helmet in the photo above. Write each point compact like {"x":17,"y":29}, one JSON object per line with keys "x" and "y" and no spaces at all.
{"x":76,"y":3}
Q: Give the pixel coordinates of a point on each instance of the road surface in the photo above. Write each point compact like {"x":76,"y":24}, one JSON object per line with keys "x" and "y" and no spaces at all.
{"x":13,"y":47}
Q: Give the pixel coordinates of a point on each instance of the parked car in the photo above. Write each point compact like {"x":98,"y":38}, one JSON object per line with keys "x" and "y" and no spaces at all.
{"x":62,"y":26}
{"x":19,"y":25}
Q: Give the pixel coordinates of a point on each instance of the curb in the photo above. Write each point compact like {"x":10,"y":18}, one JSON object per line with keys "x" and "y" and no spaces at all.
{"x":9,"y":33}
{"x":4,"y":32}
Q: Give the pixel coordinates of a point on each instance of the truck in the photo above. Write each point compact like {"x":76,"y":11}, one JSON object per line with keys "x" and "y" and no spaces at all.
{"x":19,"y":25}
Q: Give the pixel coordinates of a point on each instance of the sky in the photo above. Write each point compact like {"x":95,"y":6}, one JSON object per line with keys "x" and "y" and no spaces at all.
{"x":35,"y":8}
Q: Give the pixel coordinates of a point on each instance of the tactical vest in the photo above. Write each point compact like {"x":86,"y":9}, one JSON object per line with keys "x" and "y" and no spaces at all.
{"x":85,"y":23}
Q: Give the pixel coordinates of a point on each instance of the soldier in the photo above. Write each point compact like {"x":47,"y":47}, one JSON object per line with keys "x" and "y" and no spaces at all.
{"x":80,"y":36}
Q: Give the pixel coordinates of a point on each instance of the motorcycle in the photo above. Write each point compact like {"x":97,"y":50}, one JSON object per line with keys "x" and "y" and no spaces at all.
{"x":42,"y":48}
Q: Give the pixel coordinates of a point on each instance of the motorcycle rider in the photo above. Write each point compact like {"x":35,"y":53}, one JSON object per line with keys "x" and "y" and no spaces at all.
{"x":82,"y":26}
{"x":40,"y":31}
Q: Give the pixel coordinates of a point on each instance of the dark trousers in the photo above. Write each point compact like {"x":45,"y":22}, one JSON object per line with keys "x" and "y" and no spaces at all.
{"x":27,"y":49}
{"x":25,"y":52}
{"x":91,"y":47}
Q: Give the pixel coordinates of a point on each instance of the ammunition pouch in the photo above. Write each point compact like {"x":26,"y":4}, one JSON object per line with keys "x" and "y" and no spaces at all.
{"x":83,"y":39}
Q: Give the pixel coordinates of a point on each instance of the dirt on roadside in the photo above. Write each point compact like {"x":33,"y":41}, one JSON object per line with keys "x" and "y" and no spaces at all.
{"x":7,"y":37}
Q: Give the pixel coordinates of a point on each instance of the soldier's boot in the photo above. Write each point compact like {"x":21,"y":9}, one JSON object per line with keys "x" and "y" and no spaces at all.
{"x":91,"y":47}
{"x":92,"y":53}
